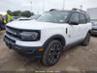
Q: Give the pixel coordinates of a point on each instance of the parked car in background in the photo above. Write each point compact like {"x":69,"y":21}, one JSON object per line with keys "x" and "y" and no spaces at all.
{"x":15,"y":17}
{"x":94,"y":28}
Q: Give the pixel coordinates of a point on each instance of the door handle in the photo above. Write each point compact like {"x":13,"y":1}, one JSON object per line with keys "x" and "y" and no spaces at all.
{"x":66,"y":30}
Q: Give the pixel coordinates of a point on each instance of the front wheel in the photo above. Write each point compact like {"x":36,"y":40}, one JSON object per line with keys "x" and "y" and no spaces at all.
{"x":52,"y":53}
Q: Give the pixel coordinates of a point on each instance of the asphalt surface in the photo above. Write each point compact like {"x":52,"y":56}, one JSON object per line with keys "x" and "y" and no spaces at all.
{"x":79,"y":58}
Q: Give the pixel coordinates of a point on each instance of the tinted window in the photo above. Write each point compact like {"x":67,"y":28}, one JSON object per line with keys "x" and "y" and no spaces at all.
{"x":54,"y":16}
{"x":74,"y":17}
{"x":82,"y":19}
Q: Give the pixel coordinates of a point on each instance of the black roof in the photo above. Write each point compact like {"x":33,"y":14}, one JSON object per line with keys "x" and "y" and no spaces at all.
{"x":73,"y":10}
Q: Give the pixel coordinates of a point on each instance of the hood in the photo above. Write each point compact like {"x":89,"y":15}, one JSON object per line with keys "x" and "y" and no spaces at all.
{"x":32,"y":24}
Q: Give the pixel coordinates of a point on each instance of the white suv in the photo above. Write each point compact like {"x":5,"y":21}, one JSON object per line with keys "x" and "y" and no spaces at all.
{"x":46,"y":37}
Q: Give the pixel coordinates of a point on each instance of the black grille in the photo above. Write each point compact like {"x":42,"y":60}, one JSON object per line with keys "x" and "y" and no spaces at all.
{"x":9,"y":39}
{"x":10,"y":34}
{"x":13,"y":32}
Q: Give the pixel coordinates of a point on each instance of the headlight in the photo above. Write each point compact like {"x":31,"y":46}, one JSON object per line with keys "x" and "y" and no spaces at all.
{"x":30,"y":36}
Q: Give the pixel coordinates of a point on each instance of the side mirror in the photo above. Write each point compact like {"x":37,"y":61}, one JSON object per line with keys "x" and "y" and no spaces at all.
{"x":73,"y":23}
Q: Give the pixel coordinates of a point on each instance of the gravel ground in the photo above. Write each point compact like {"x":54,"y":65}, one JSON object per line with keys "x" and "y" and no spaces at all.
{"x":79,"y":58}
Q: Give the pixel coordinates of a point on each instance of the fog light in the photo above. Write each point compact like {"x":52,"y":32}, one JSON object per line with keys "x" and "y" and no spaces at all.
{"x":41,"y":49}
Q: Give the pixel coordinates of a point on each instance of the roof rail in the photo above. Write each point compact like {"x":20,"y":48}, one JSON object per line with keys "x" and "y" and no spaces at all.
{"x":74,"y":9}
{"x":79,"y":10}
{"x":52,"y":10}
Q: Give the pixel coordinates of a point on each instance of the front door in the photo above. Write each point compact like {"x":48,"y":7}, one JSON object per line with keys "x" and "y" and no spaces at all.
{"x":74,"y":30}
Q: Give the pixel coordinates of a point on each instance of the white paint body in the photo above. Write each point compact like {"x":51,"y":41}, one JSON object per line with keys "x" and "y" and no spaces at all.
{"x":75,"y":32}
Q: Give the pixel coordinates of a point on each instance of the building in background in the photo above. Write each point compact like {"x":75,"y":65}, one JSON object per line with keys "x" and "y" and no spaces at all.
{"x":93,"y":13}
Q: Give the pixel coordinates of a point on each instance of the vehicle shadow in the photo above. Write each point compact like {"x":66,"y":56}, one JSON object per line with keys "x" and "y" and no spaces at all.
{"x":95,"y":36}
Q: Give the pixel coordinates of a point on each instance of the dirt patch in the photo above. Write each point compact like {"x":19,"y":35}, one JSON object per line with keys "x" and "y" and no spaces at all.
{"x":78,"y":58}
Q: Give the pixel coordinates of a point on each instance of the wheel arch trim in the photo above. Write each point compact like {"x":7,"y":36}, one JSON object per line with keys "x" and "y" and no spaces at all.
{"x":59,"y":37}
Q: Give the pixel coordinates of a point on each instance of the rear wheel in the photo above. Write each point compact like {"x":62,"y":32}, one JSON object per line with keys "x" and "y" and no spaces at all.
{"x":86,"y":40}
{"x":52,"y":53}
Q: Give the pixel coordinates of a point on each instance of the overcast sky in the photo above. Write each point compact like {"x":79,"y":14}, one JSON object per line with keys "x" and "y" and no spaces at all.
{"x":40,"y":5}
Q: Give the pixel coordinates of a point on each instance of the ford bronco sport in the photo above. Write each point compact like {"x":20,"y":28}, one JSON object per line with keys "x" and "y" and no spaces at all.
{"x":47,"y":36}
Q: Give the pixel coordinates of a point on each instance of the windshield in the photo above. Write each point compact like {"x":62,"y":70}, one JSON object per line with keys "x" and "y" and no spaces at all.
{"x":54,"y":16}
{"x":35,"y":17}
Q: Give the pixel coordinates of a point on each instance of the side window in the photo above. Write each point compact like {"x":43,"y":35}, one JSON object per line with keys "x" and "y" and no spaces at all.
{"x":74,"y":17}
{"x":88,"y":18}
{"x":82,"y":19}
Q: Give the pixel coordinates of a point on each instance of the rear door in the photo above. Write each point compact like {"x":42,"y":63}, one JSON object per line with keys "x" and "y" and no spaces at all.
{"x":84,"y":24}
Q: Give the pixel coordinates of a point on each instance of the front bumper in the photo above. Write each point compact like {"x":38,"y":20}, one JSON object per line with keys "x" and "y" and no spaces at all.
{"x":23,"y":49}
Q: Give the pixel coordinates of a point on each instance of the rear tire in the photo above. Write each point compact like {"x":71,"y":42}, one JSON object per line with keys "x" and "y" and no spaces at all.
{"x":86,"y":40}
{"x":52,"y":53}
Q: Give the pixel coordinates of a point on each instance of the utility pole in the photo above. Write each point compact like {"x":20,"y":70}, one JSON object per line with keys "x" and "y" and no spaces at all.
{"x":63,"y":4}
{"x":31,"y":5}
{"x":43,"y":6}
{"x":81,"y":7}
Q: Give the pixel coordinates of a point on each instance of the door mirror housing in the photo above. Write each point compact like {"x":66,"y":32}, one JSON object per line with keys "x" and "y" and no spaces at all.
{"x":73,"y":22}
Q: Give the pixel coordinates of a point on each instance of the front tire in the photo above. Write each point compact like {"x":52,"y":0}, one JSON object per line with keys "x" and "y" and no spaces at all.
{"x":52,"y":53}
{"x":86,"y":40}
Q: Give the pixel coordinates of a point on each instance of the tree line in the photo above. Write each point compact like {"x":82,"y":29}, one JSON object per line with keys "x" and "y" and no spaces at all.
{"x":20,"y":13}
